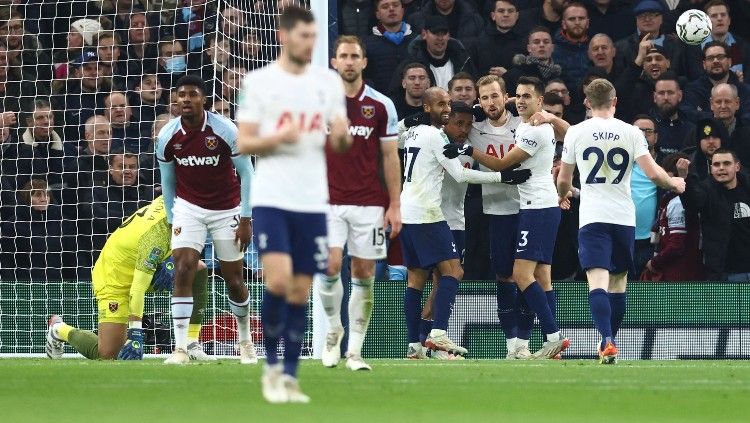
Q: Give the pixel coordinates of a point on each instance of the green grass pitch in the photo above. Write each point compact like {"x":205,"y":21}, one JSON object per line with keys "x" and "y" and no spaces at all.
{"x":76,"y":390}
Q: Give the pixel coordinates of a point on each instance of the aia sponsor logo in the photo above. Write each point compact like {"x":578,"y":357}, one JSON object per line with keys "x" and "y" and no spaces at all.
{"x":305,"y":122}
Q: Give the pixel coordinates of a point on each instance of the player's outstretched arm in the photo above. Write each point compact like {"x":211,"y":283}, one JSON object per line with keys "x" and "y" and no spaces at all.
{"x":133,"y":348}
{"x":659,"y":176}
{"x":249,"y":140}
{"x":512,"y":158}
{"x":392,"y":173}
{"x":560,"y":126}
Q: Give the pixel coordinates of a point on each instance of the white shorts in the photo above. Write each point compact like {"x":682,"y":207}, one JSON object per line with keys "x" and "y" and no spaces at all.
{"x":191,"y":224}
{"x":360,"y":228}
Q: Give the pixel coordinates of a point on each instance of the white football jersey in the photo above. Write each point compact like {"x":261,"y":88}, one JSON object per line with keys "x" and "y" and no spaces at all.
{"x":604,"y":151}
{"x":539,"y":192}
{"x":293,"y":176}
{"x":497,"y":199}
{"x":453,"y":195}
{"x":424,"y":163}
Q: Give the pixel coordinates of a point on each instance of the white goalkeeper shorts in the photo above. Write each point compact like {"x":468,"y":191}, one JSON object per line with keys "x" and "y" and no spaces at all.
{"x":191,"y":224}
{"x":360,"y":228}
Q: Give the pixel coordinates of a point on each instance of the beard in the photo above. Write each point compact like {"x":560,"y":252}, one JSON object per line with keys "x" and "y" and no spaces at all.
{"x":718,"y":76}
{"x":667,"y":110}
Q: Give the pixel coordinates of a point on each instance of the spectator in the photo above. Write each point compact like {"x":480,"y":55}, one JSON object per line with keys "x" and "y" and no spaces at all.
{"x":232,"y":20}
{"x":141,"y":51}
{"x":538,"y":63}
{"x":125,"y":132}
{"x":637,"y":82}
{"x":548,"y":15}
{"x":716,"y":64}
{"x":553,"y":103}
{"x":230,"y":84}
{"x":174,"y":105}
{"x":355,"y":17}
{"x":172,"y":61}
{"x":611,"y":17}
{"x":109,"y":54}
{"x":214,"y":58}
{"x":725,"y":102}
{"x":250,"y":51}
{"x":723,"y":204}
{"x":12,"y":85}
{"x":147,"y":101}
{"x":221,"y":107}
{"x":739,"y":51}
{"x":81,"y":34}
{"x":438,"y":52}
{"x":196,"y":20}
{"x":494,"y":50}
{"x":39,"y":153}
{"x":388,"y":44}
{"x":24,"y":50}
{"x":461,"y":88}
{"x":645,"y":199}
{"x":672,"y":122}
{"x":710,"y":136}
{"x":91,"y":168}
{"x":678,"y":256}
{"x":602,"y":54}
{"x":572,"y":43}
{"x":464,"y":23}
{"x":415,"y":81}
{"x":37,"y":245}
{"x":120,"y":198}
{"x":649,"y":20}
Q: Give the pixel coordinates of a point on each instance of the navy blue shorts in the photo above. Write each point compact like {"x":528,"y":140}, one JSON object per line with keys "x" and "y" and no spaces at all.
{"x":459,"y":237}
{"x":607,"y":246}
{"x":503,"y":233}
{"x":301,"y":235}
{"x":537,"y":231}
{"x":427,"y":244}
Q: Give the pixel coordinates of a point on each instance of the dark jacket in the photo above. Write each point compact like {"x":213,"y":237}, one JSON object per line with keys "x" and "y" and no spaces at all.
{"x":627,"y":50}
{"x":572,"y":57}
{"x":470,"y":24}
{"x":673,"y":134}
{"x":635,"y":92}
{"x":112,"y":204}
{"x":495,"y":48}
{"x":356,"y":17}
{"x":697,"y":94}
{"x":38,"y":246}
{"x":708,"y":198}
{"x":417,"y":52}
{"x":73,"y":108}
{"x":383,"y":56}
{"x":617,"y":21}
{"x":522,"y":68}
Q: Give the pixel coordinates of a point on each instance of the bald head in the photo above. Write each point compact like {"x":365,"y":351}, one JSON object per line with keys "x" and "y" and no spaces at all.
{"x":437,"y":103}
{"x":432,"y":93}
{"x":725,"y":102}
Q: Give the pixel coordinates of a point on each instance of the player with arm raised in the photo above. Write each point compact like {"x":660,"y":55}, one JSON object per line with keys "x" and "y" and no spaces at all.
{"x":604,"y":149}
{"x":539,"y":215}
{"x":282,"y":113}
{"x":426,"y":238}
{"x":134,"y":261}
{"x":357,"y":217}
{"x":200,"y":165}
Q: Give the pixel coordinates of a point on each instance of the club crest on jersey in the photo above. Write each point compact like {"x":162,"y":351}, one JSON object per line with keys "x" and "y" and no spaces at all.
{"x":113,"y":306}
{"x":178,"y":146}
{"x":211,"y":143}
{"x":177,"y":231}
{"x":368,"y":112}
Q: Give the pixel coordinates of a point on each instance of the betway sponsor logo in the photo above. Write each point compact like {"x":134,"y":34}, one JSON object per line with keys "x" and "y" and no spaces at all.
{"x":198,"y":161}
{"x":361,"y":131}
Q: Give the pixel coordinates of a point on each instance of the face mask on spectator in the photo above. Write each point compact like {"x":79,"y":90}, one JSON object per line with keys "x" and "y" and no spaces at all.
{"x":175,"y":64}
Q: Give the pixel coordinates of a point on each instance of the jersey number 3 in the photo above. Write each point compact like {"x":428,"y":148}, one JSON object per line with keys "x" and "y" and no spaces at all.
{"x":618,"y":160}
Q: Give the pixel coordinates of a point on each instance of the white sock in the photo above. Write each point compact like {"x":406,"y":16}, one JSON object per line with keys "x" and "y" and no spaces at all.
{"x":360,"y":309}
{"x":331,"y":293}
{"x":511,"y":344}
{"x":182,"y":308}
{"x":434,"y":333}
{"x":553,"y":336}
{"x":522,"y":343}
{"x":241,"y":313}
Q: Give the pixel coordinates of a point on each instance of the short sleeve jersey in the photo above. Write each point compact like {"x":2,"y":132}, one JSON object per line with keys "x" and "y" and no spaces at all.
{"x":539,"y":191}
{"x":292,"y":177}
{"x":604,"y":151}
{"x":453,"y":196}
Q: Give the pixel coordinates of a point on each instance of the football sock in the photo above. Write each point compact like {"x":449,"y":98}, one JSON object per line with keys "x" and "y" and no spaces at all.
{"x":241,"y":313}
{"x":412,"y":311}
{"x":360,"y":310}
{"x":510,"y":344}
{"x":293,"y":336}
{"x":552,"y":302}
{"x":200,"y":299}
{"x":618,"y":302}
{"x":182,"y":308}
{"x":425,"y":326}
{"x":525,"y":318}
{"x":331,"y":293}
{"x":273,"y":316}
{"x":537,"y":300}
{"x":506,"y":308}
{"x":601,"y":312}
{"x":444,"y":300}
{"x":85,"y":342}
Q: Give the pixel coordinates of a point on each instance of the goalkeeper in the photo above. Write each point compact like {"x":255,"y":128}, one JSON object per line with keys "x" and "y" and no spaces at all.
{"x":135,"y":260}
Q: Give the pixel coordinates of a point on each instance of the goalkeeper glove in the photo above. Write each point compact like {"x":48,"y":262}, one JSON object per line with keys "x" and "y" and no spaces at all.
{"x":421,"y":118}
{"x":164,"y":276}
{"x":452,"y":151}
{"x":515,"y":177}
{"x":133,"y":348}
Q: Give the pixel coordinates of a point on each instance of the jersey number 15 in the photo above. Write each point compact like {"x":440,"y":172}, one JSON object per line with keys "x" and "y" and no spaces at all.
{"x":620,"y":165}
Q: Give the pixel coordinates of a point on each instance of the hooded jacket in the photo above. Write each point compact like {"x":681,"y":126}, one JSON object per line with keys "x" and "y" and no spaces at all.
{"x":495,"y":48}
{"x":383,"y":56}
{"x":470,"y":23}
{"x":573,"y":58}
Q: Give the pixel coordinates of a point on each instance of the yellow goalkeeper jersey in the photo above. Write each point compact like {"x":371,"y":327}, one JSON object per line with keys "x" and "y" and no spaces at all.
{"x":142,"y":242}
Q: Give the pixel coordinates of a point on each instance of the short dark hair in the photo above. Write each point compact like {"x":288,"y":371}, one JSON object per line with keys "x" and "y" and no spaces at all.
{"x":514,"y":3}
{"x":459,"y":76}
{"x":376,"y":3}
{"x":670,"y":162}
{"x":460,"y":107}
{"x":534,"y":82}
{"x":643,"y":116}
{"x":552,"y":99}
{"x":538,"y":28}
{"x":120,"y":151}
{"x":726,"y":151}
{"x":670,"y":76}
{"x":193,"y":80}
{"x":715,"y":44}
{"x":414,"y":65}
{"x":714,"y":3}
{"x":293,"y":15}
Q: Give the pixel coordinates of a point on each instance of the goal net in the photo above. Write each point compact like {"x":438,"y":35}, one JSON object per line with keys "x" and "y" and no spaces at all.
{"x":85,"y":87}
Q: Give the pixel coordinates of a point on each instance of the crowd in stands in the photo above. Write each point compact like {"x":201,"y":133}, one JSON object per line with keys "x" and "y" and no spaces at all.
{"x":86,"y":86}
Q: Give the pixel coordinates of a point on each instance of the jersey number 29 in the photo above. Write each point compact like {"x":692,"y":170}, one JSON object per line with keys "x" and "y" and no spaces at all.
{"x":620,"y":165}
